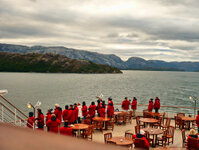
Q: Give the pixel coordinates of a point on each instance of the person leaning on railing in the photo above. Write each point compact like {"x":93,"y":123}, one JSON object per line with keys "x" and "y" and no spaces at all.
{"x":31,"y":120}
{"x":125,"y":104}
{"x":134,"y":105}
{"x":157,"y":104}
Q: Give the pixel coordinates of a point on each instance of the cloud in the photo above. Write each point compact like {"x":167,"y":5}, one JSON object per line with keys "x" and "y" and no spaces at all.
{"x":156,"y":29}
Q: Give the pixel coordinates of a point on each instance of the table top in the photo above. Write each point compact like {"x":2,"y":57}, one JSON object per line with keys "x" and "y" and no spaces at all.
{"x":153,"y":131}
{"x":122,"y":141}
{"x":170,"y":148}
{"x":119,"y":112}
{"x":188,"y":118}
{"x":148,"y":120}
{"x":155,"y":114}
{"x":79,"y":126}
{"x":101,"y":119}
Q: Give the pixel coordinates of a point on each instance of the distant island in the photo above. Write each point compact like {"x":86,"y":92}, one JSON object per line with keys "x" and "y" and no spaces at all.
{"x":49,"y":63}
{"x":133,"y":63}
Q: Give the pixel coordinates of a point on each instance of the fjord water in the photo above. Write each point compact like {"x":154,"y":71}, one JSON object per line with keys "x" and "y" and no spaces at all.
{"x":173,"y":88}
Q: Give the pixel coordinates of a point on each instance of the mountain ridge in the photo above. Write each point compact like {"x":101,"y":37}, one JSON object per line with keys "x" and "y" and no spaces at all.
{"x":135,"y":63}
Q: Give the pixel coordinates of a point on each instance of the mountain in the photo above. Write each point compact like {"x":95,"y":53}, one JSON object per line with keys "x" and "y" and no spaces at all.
{"x":54,"y":63}
{"x":135,"y":63}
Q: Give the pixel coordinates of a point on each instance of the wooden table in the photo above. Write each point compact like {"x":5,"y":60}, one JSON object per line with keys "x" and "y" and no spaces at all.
{"x":187,"y":119}
{"x":154,"y":132}
{"x":103,"y":120}
{"x":79,"y":127}
{"x":155,"y":114}
{"x":148,"y":121}
{"x":119,"y":112}
{"x":121,"y":141}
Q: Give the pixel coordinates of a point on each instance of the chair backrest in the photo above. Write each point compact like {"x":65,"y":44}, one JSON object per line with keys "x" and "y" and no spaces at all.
{"x":129,"y":135}
{"x":180,"y":114}
{"x":87,"y":121}
{"x":92,"y":128}
{"x":168,"y":121}
{"x":137,"y":129}
{"x":139,"y":143}
{"x":107,"y":136}
{"x":137,"y":120}
{"x":170,"y":131}
{"x":163,"y":116}
{"x":192,"y":143}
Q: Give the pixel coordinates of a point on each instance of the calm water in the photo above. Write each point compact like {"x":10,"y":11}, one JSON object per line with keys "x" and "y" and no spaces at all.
{"x":173,"y":88}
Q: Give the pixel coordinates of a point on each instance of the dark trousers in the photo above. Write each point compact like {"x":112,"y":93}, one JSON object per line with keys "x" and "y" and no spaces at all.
{"x":156,"y":110}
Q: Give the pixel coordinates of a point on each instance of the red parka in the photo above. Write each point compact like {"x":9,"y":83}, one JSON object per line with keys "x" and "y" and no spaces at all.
{"x":99,"y":106}
{"x":110,"y":102}
{"x":189,"y":144}
{"x":48,"y":116}
{"x":84,"y":111}
{"x":71,"y":116}
{"x":102,"y":112}
{"x":40,"y":119}
{"x":150,"y":106}
{"x":58,"y":113}
{"x":65,"y":114}
{"x":197,"y":120}
{"x":134,"y":105}
{"x":30,"y":122}
{"x":53,"y":125}
{"x":125,"y":104}
{"x":76,"y":110}
{"x":91,"y":111}
{"x":146,"y":143}
{"x":66,"y":131}
{"x":110,"y":111}
{"x":157,"y":104}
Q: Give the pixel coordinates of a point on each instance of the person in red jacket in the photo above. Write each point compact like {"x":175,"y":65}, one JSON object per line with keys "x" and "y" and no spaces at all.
{"x":53,"y":124}
{"x":134,"y":105}
{"x":150,"y":106}
{"x":141,"y":136}
{"x":48,"y":115}
{"x":84,"y":110}
{"x":157,"y":104}
{"x":66,"y":130}
{"x":58,"y":112}
{"x":76,"y":110}
{"x":40,"y":119}
{"x":31,"y":120}
{"x":110,"y":100}
{"x":125,"y":104}
{"x":71,"y":115}
{"x":92,"y":109}
{"x":65,"y":113}
{"x":197,"y":121}
{"x":99,"y":106}
{"x":192,"y":134}
{"x":110,"y":110}
{"x":102,"y":111}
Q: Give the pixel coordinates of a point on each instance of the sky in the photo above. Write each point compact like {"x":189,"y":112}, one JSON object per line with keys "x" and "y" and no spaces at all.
{"x":152,"y":29}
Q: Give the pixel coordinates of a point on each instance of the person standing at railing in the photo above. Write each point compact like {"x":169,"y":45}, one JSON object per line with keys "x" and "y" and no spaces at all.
{"x":58,"y":112}
{"x":110,"y":110}
{"x":92,"y":109}
{"x":31,"y":120}
{"x":40,"y":119}
{"x":71,"y":115}
{"x":65,"y":113}
{"x":102,"y":111}
{"x":99,"y":106}
{"x":150,"y":106}
{"x":134,"y":105}
{"x":84,"y":110}
{"x":157,"y":104}
{"x":125,"y":104}
{"x":197,"y":121}
{"x":110,"y":101}
{"x":53,"y":124}
{"x":76,"y":110}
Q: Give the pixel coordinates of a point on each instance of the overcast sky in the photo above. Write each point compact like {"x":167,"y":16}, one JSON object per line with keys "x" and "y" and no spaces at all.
{"x":152,"y":29}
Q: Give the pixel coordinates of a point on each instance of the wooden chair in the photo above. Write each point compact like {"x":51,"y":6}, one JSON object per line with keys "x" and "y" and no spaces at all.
{"x":184,"y":141}
{"x":129,"y":117}
{"x":140,"y":143}
{"x":110,"y":124}
{"x":121,"y":118}
{"x":167,"y":124}
{"x":98,"y":125}
{"x":107,"y":136}
{"x":138,"y":122}
{"x":129,"y":135}
{"x":192,"y":144}
{"x":147,"y":135}
{"x":137,"y":129}
{"x":180,"y":114}
{"x":170,"y":134}
{"x":87,"y":121}
{"x":88,"y":134}
{"x":162,"y":141}
{"x":158,"y":124}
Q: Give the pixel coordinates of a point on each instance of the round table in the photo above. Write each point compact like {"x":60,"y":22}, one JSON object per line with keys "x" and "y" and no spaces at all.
{"x":155,"y":114}
{"x":119,"y":112}
{"x":103,"y":120}
{"x":122,"y":141}
{"x":148,"y":121}
{"x":154,"y":132}
{"x":79,"y":127}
